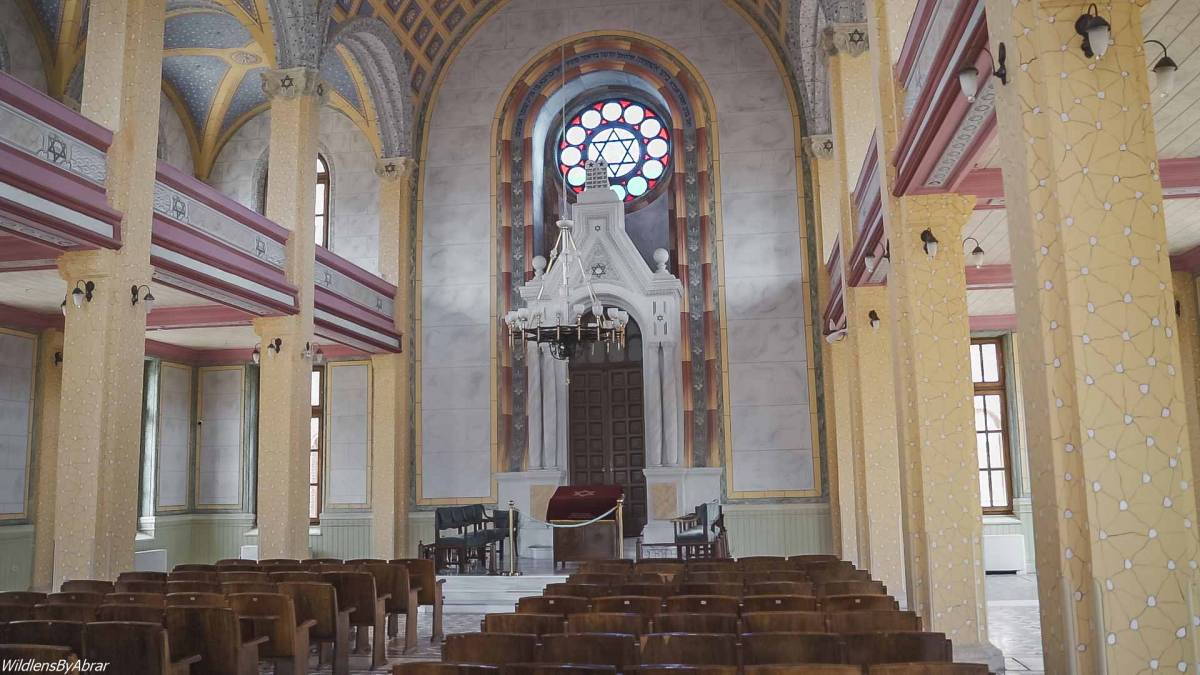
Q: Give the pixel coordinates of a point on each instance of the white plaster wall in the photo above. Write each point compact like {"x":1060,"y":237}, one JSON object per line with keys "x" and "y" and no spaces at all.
{"x":174,"y":434}
{"x":173,"y":141}
{"x":349,"y":419}
{"x":17,"y":354}
{"x":219,"y":440}
{"x":25,"y":61}
{"x":233,"y":172}
{"x":771,"y":438}
{"x":354,"y":213}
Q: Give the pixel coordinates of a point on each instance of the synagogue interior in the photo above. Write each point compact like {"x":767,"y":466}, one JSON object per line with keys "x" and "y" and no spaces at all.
{"x":553,"y":337}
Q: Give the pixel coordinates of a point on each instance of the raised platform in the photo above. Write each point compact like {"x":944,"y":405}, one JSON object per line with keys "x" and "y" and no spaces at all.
{"x":481,"y":594}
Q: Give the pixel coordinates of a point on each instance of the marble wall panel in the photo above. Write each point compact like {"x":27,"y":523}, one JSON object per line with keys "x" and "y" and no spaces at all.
{"x":174,"y":444}
{"x":766,"y":340}
{"x":349,"y":418}
{"x":354,"y":190}
{"x":234,"y":171}
{"x":456,"y":223}
{"x":219,"y":412}
{"x":174,"y":148}
{"x":24,"y":57}
{"x":762,"y":255}
{"x":780,"y":383}
{"x":17,"y":353}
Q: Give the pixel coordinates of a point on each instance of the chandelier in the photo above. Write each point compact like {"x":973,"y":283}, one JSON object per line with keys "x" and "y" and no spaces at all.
{"x":571,"y":327}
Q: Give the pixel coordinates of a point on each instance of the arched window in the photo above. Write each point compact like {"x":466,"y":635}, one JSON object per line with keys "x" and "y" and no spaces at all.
{"x":628,"y":134}
{"x":321,"y":222}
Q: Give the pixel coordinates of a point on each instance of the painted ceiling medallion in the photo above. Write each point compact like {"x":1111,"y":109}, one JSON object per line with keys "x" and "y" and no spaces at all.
{"x":246,"y":58}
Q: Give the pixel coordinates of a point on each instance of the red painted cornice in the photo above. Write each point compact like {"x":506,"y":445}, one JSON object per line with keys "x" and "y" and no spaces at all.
{"x":994,"y":322}
{"x":27,"y":319}
{"x":1180,"y":179}
{"x":197,"y":317}
{"x":989,"y":276}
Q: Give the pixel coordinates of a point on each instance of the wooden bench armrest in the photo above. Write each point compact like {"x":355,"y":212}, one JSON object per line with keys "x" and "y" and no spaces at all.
{"x":385,"y":596}
{"x":347,"y":610}
{"x":187,"y":660}
{"x":441,"y":582}
{"x":256,"y":641}
{"x":307,"y":624}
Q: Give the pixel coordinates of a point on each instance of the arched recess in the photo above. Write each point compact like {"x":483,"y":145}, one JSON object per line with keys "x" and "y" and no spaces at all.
{"x":675,"y":83}
{"x":380,"y":57}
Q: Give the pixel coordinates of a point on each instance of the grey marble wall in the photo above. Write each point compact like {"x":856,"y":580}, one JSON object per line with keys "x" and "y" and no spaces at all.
{"x":24,"y":59}
{"x":17,"y":352}
{"x":772,"y":446}
{"x":219,"y":440}
{"x":174,"y":148}
{"x":235,"y":170}
{"x":349,"y":418}
{"x":354,"y":212}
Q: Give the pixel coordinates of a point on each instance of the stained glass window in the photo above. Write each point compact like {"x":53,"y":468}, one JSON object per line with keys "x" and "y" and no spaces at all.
{"x":629,"y":135}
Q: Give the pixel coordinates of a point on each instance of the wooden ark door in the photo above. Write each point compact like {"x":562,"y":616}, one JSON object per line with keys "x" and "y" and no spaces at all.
{"x":607,"y":424}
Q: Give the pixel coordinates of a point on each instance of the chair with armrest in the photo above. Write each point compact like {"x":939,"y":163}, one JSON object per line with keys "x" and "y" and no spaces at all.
{"x":319,"y":602}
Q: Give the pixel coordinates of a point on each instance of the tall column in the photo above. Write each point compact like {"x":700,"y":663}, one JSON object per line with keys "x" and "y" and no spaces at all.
{"x":104,"y":339}
{"x":1187,"y":308}
{"x":391,"y":454}
{"x":652,"y":404}
{"x":284,"y":407}
{"x":671,"y":395}
{"x":842,"y":488}
{"x":1111,"y":460}
{"x":876,"y":453}
{"x":48,"y":393}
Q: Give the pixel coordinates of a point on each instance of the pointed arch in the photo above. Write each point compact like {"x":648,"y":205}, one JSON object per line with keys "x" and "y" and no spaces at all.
{"x":378,"y":54}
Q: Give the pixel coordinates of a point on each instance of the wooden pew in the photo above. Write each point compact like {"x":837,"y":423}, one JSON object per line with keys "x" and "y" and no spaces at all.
{"x":46,"y":654}
{"x":65,"y":612}
{"x":288,"y":645}
{"x":215,"y":634}
{"x":927,"y":669}
{"x":23,"y":598}
{"x":530,"y":624}
{"x":134,"y":613}
{"x":440,"y":668}
{"x":770,"y":648}
{"x":131,"y":647}
{"x":55,"y":633}
{"x":872,"y":620}
{"x":72,"y":598}
{"x":779,"y":603}
{"x":86,"y":586}
{"x":392,"y":579}
{"x":142,"y":576}
{"x":700,"y":649}
{"x":156,"y":599}
{"x":849,"y":603}
{"x":608,"y":622}
{"x":783,"y":622}
{"x":319,"y":602}
{"x":370,"y":607}
{"x":625,"y":604}
{"x":803,"y":669}
{"x":693,"y":622}
{"x":493,"y":649}
{"x":552,"y":604}
{"x":196,"y":600}
{"x":712,"y":604}
{"x":872,"y":648}
{"x":422,"y":575}
{"x":609,"y":649}
{"x":137,"y":586}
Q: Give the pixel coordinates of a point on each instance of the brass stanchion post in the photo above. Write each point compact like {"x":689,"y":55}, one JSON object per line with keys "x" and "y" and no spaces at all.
{"x":512,"y":540}
{"x":620,"y":527}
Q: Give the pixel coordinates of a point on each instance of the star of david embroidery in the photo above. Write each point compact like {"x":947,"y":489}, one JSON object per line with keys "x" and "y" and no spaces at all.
{"x":584,"y":493}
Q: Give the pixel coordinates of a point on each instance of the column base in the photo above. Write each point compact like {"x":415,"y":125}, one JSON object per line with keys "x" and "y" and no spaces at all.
{"x":674,"y":491}
{"x":529,"y":492}
{"x":983,"y":652}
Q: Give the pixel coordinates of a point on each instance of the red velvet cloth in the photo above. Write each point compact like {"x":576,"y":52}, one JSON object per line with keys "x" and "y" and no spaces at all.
{"x":582,"y":502}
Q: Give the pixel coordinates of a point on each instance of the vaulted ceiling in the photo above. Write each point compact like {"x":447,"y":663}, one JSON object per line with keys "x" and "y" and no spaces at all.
{"x":381,"y":57}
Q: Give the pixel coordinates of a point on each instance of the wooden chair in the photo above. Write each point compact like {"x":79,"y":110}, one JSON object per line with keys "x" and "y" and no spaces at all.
{"x":294,"y":575}
{"x":134,"y":647}
{"x":23,"y":598}
{"x":229,"y":588}
{"x":655,"y":578}
{"x":779,"y":603}
{"x":530,"y":624}
{"x":596,"y":578}
{"x":711,"y":566}
{"x":196,"y":600}
{"x":768,"y":648}
{"x":810,"y":558}
{"x":803,"y":669}
{"x":608,"y":649}
{"x":850,"y":603}
{"x":288,"y":635}
{"x":707,"y":604}
{"x":155,"y":599}
{"x":927,"y":669}
{"x":577,"y":590}
{"x":216,"y":635}
{"x":393,"y":579}
{"x":552,"y":604}
{"x":659,"y":590}
{"x":41,"y":654}
{"x":671,"y":569}
{"x":823,"y":575}
{"x":192,"y":575}
{"x":557,"y":669}
{"x":783,"y":622}
{"x":852,"y":588}
{"x":723,"y":577}
{"x":872,"y":648}
{"x":692,"y":622}
{"x":65,"y":612}
{"x":86,"y":586}
{"x":67,"y":634}
{"x":236,"y":562}
{"x":278,"y":561}
{"x":873,"y":621}
{"x":357,"y":589}
{"x":608,"y":622}
{"x":422,"y":575}
{"x":193,"y":587}
{"x":142,"y":576}
{"x":781,"y":588}
{"x":194,"y":567}
{"x":763,"y":562}
{"x":732,"y":589}
{"x":324,"y":561}
{"x":231,"y":577}
{"x":672,"y":669}
{"x":136,"y":613}
{"x":494,"y":649}
{"x":71,"y":598}
{"x":440,"y":668}
{"x":795,"y":576}
{"x":628,"y":604}
{"x":700,"y":649}
{"x":616,"y":566}
{"x":136,"y":586}
{"x":331,"y":630}
{"x":16,"y":613}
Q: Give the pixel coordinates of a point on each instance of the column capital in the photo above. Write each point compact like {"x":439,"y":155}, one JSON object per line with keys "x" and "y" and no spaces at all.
{"x":820,"y":146}
{"x":397,"y":169}
{"x":849,"y":39}
{"x":947,"y":208}
{"x":290,"y":83}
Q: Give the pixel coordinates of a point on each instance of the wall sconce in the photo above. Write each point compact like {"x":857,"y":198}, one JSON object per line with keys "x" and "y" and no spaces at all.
{"x":147,"y":298}
{"x":1096,"y":32}
{"x":929,"y":242}
{"x":869,"y":262}
{"x":83,"y":291}
{"x":1164,"y":71}
{"x":873,"y":317}
{"x":256,"y":355}
{"x":58,"y":357}
{"x":313,"y":352}
{"x":968,"y":78}
{"x":887,"y":251}
{"x":836,"y":335}
{"x":274,"y":346}
{"x":976,"y":253}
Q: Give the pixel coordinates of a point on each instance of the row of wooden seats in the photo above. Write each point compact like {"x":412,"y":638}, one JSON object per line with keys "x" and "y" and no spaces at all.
{"x":588,"y":585}
{"x":721,"y":649}
{"x":691,"y":622}
{"x":711,"y":604}
{"x":439,"y":668}
{"x":127,"y":647}
{"x":754,"y":563}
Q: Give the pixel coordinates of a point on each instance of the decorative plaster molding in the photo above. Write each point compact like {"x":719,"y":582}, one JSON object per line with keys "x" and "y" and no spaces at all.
{"x":819,"y":147}
{"x":848,"y":39}
{"x":395,"y":168}
{"x":288,"y":83}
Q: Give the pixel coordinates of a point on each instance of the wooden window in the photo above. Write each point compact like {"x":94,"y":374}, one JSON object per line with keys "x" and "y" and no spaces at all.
{"x":316,"y":444}
{"x":991,"y":425}
{"x":321,"y":219}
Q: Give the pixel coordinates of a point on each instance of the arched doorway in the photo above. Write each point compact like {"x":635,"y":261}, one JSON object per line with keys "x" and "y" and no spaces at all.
{"x":606,"y":414}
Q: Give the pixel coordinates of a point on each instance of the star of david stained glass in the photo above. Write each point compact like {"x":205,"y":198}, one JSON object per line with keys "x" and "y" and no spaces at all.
{"x":630,"y":136}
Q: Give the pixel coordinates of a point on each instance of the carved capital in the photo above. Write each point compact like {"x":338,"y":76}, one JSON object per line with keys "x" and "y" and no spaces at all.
{"x":290,"y":83}
{"x":849,"y":39}
{"x":395,"y":168}
{"x":819,"y":147}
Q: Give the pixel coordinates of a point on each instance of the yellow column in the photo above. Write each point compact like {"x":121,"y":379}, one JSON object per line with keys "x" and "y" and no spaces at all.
{"x":391,"y":426}
{"x":842,"y":487}
{"x":284,"y":407}
{"x":1111,"y":460}
{"x":48,"y":393}
{"x":1188,"y":311}
{"x":104,"y":341}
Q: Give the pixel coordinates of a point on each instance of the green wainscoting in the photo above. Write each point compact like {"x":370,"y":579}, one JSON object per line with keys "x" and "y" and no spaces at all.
{"x":16,"y":557}
{"x":197,"y":537}
{"x":342,"y":536}
{"x":778,"y":529}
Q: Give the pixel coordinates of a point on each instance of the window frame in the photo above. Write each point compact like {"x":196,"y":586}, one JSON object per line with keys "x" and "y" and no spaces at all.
{"x":323,"y":187}
{"x":999,"y":388}
{"x":317,"y":413}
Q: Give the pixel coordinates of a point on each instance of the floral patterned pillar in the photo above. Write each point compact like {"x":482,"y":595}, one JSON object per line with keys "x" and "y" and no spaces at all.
{"x":284,"y":407}
{"x":1110,"y":456}
{"x":104,"y":338}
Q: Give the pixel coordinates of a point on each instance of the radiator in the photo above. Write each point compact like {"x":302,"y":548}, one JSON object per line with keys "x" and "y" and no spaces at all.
{"x":1004,"y":552}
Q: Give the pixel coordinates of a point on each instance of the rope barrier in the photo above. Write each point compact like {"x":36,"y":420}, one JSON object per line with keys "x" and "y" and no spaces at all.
{"x":598,"y":518}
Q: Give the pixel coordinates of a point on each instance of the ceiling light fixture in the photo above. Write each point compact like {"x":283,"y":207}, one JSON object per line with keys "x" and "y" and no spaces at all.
{"x":1096,"y":32}
{"x":58,"y":358}
{"x":1164,"y":71}
{"x":869,"y":262}
{"x":968,"y":78}
{"x":147,"y":299}
{"x":929,"y":242}
{"x":976,"y":253}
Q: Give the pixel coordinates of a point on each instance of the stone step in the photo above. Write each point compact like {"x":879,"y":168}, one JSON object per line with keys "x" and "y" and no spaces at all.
{"x":480,"y":594}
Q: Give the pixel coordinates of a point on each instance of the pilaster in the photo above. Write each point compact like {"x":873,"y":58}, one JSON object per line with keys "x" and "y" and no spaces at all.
{"x":842,"y":487}
{"x":48,"y":391}
{"x":1187,"y":309}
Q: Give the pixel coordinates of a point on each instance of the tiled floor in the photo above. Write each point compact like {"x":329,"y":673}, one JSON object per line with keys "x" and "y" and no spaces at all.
{"x":1013,"y":622}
